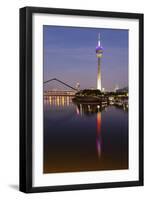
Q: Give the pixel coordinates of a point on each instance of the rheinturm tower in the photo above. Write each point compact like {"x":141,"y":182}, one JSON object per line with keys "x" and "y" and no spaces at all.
{"x":99,"y":53}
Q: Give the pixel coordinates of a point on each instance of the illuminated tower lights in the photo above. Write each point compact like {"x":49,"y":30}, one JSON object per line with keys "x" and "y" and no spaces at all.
{"x":99,"y":53}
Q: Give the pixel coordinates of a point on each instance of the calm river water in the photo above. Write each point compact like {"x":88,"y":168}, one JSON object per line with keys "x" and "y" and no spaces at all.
{"x":83,"y":137}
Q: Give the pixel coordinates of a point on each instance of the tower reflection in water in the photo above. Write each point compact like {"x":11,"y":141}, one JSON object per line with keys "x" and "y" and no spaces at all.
{"x":90,"y":109}
{"x":98,"y":137}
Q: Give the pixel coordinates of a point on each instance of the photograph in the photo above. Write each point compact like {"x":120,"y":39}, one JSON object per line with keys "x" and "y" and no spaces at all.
{"x":81,"y":99}
{"x":85,"y":99}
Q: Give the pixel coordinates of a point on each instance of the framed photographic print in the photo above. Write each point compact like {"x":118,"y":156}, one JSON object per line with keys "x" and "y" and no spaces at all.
{"x":81,"y":99}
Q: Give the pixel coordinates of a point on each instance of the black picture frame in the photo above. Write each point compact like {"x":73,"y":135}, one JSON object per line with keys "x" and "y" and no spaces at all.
{"x":26,"y":90}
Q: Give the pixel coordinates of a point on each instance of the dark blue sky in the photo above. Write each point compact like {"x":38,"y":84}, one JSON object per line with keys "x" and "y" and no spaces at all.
{"x":69,"y":55}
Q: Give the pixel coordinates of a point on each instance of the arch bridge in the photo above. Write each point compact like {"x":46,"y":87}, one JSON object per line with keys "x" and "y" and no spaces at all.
{"x":70,"y":92}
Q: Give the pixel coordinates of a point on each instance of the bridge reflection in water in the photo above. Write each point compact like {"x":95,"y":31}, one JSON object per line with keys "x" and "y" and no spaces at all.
{"x":83,"y":135}
{"x":59,"y":101}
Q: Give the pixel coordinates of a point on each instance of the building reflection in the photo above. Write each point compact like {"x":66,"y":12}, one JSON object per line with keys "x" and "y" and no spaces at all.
{"x":58,"y":101}
{"x":88,"y":109}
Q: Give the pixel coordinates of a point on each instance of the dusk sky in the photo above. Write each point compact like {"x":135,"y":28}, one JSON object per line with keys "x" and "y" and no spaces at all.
{"x":69,"y":55}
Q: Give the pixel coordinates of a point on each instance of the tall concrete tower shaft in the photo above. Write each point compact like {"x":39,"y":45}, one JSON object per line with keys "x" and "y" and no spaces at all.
{"x":99,"y":87}
{"x":99,"y":53}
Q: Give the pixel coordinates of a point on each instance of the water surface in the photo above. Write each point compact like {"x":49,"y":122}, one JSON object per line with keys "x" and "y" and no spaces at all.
{"x":83,"y":137}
